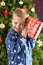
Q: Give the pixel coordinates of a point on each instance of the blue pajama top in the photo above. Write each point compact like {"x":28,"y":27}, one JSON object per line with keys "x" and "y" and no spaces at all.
{"x":19,"y":49}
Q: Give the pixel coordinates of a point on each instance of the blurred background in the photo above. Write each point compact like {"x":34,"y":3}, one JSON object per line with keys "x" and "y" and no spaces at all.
{"x":33,"y":8}
{"x":39,"y":9}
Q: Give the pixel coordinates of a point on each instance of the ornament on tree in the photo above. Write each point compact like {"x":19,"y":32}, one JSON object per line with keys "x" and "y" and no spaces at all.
{"x":1,"y":41}
{"x":33,"y":9}
{"x":5,"y":12}
{"x":2,"y":26}
{"x":2,"y":3}
{"x":20,"y":2}
{"x":39,"y":43}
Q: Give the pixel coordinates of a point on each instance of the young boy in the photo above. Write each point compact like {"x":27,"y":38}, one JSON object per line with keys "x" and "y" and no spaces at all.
{"x":19,"y":45}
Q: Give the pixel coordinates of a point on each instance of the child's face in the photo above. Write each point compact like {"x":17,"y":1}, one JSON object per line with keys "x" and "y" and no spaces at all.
{"x":17,"y":24}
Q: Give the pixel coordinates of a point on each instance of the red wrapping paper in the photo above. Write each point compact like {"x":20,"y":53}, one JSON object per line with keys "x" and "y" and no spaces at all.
{"x":34,"y":26}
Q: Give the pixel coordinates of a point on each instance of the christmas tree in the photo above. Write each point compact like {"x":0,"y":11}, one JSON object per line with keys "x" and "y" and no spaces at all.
{"x":6,"y":9}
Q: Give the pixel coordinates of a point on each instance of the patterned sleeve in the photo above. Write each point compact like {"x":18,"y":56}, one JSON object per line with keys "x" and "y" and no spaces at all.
{"x":31,"y":41}
{"x":10,"y":42}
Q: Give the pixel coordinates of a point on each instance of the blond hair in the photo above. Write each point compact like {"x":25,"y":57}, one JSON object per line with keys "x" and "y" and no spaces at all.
{"x":19,"y":12}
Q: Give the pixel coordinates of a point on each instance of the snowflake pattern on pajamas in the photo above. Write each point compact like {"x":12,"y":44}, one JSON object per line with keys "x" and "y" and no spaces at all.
{"x":19,"y":49}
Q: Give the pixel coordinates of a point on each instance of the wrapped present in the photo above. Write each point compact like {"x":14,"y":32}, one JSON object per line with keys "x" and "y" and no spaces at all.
{"x":34,"y":27}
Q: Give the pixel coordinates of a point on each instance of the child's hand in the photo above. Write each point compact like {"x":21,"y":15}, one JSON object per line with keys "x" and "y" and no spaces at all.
{"x":24,"y":32}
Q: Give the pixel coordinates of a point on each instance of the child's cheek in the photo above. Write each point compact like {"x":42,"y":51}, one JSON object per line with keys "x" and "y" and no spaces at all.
{"x":22,"y":27}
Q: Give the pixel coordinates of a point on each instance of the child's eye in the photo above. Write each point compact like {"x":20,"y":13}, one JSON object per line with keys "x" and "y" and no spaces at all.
{"x":21,"y":24}
{"x":15,"y":22}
